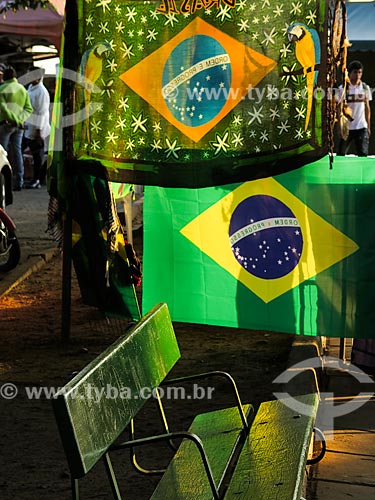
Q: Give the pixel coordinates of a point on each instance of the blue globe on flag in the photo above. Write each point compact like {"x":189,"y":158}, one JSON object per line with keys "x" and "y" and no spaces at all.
{"x":265,"y":237}
{"x":196,"y":80}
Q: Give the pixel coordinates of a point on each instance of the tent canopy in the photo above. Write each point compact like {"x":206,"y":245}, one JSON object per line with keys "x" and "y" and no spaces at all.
{"x":361,"y":22}
{"x":24,"y":28}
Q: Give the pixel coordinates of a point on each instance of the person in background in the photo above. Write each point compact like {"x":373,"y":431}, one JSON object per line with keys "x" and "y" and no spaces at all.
{"x":15,"y":108}
{"x":37,"y":127}
{"x":358,"y":97}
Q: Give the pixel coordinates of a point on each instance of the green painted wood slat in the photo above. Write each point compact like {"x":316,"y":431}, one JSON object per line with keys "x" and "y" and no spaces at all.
{"x":272,"y":462}
{"x":185,"y":477}
{"x":89,"y":421}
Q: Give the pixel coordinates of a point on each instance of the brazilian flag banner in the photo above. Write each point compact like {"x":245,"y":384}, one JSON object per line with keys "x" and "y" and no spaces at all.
{"x":194,"y":93}
{"x":293,"y":253}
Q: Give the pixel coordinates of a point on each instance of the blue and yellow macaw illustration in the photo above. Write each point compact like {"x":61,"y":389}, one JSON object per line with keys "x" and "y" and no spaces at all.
{"x":308,"y":54}
{"x":91,"y":68}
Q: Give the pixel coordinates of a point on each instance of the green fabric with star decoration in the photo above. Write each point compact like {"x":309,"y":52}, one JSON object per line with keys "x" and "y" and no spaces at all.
{"x":191,"y":93}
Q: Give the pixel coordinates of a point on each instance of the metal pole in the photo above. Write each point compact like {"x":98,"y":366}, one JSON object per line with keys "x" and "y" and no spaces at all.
{"x":70,"y":61}
{"x":342,"y":349}
{"x":66,"y":279}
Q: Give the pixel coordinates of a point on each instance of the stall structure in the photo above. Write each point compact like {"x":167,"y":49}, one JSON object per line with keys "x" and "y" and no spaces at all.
{"x":23,"y":29}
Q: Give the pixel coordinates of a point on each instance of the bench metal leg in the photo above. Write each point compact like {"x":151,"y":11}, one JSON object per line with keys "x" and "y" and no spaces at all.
{"x":317,"y":457}
{"x":163,"y":418}
{"x":166,"y":437}
{"x":134,"y":461}
{"x":112,"y":477}
{"x":75,"y":489}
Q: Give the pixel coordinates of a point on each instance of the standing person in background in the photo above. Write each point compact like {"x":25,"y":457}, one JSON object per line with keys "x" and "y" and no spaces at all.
{"x":358,"y":97}
{"x":37,"y":127}
{"x":15,"y":108}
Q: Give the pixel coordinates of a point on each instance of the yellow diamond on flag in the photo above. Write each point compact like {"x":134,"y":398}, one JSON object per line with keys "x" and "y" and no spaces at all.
{"x":267,"y":238}
{"x":196,"y":78}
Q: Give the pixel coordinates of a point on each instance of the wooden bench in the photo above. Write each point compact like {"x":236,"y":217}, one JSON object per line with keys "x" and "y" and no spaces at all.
{"x":264,"y":460}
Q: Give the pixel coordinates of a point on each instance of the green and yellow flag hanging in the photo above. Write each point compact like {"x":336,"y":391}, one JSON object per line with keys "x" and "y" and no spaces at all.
{"x":200,"y":93}
{"x":293,"y":253}
{"x":106,"y":267}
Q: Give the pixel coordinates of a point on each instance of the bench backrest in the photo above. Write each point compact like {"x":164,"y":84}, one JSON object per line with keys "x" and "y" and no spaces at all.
{"x":94,"y":408}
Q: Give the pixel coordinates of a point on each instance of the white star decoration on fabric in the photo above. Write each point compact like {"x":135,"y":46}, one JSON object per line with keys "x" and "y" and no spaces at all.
{"x":121,"y":123}
{"x":300,"y":113}
{"x":237,"y":140}
{"x":95,"y":126}
{"x":243,"y":25}
{"x":94,"y":145}
{"x":111,"y":137}
{"x":123,"y":103}
{"x":299,"y":134}
{"x":224,"y":13}
{"x":237,"y":120}
{"x":138,"y":123}
{"x":151,"y":35}
{"x":296,"y":8}
{"x":104,"y":4}
{"x":112,"y":65}
{"x":284,"y":127}
{"x":127,"y":50}
{"x":156,"y":145}
{"x":221,"y":144}
{"x":103,"y":27}
{"x":131,"y":14}
{"x":285,"y":50}
{"x":269,"y":37}
{"x":240,"y":4}
{"x":171,"y":19}
{"x":255,"y":115}
{"x":311,"y":17}
{"x":172,"y":148}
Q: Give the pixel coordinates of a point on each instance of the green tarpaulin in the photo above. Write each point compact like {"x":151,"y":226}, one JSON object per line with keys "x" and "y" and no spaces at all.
{"x":294,"y":253}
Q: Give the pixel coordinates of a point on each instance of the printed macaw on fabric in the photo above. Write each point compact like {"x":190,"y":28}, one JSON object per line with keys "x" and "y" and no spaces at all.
{"x":308,"y":54}
{"x":91,"y":69}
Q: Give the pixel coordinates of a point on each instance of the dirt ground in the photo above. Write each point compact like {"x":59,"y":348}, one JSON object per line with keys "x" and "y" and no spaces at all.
{"x":33,"y":464}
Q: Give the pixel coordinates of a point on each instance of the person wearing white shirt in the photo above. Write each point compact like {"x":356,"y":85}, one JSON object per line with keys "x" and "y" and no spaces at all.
{"x":37,"y":126}
{"x":358,"y":97}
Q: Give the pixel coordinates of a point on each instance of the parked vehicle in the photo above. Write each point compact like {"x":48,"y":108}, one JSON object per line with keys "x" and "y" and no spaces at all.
{"x":9,"y":245}
{"x":6,"y":195}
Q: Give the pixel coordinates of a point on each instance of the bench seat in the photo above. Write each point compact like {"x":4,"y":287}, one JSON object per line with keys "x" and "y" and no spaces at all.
{"x":219,"y":457}
{"x":273,"y":458}
{"x":185,"y":477}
